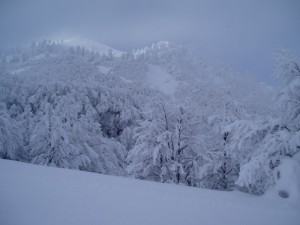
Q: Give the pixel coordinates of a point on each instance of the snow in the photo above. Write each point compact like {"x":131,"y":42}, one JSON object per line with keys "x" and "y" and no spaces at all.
{"x":31,"y":194}
{"x":19,"y":70}
{"x":162,"y":44}
{"x":287,"y":184}
{"x":91,"y":46}
{"x":161,"y":80}
{"x":125,"y":80}
{"x":38,"y":57}
{"x":104,"y":69}
{"x":159,"y":45}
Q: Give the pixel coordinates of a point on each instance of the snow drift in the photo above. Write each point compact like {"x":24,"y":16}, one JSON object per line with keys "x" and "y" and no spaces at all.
{"x":31,"y":194}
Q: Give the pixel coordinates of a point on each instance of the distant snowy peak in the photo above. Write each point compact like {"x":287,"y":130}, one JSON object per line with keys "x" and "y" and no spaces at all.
{"x":91,"y":46}
{"x":162,"y":44}
{"x":158,"y":46}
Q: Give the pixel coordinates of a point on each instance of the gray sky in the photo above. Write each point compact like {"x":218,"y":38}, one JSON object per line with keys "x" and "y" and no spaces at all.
{"x":241,"y":33}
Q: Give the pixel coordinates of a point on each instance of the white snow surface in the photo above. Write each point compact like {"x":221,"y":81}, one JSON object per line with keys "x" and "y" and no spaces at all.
{"x":125,"y":80}
{"x":19,"y":70}
{"x":104,"y":69}
{"x":35,"y":195}
{"x":288,"y":179}
{"x":161,"y":80}
{"x":91,"y":45}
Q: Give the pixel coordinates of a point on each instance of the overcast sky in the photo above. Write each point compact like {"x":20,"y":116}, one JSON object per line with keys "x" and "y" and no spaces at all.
{"x":241,"y":33}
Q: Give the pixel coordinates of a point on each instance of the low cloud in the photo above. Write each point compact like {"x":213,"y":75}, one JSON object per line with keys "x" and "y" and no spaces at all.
{"x":241,"y":33}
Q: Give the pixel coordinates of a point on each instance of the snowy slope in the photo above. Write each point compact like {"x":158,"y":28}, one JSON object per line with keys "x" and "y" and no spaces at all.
{"x":91,"y":46}
{"x":35,"y":195}
{"x":161,"y":80}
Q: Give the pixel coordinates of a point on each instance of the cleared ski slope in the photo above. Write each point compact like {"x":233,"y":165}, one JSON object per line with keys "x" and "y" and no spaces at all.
{"x":37,"y":195}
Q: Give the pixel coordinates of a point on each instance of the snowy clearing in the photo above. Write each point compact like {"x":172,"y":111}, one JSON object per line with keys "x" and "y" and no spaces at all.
{"x":104,"y":69}
{"x":35,"y":195}
{"x":161,"y":80}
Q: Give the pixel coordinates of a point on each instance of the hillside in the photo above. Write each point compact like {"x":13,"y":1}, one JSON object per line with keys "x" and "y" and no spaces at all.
{"x":162,"y":113}
{"x":31,"y":194}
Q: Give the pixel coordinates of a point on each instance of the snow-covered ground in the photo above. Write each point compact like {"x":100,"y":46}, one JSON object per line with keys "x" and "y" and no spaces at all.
{"x":104,"y":69}
{"x":161,"y":80}
{"x":19,"y":70}
{"x":37,"y":195}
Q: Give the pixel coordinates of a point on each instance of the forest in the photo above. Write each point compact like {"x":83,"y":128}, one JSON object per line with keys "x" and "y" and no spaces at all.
{"x":203,"y":124}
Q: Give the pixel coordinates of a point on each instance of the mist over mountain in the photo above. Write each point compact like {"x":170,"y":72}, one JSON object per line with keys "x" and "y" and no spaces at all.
{"x":161,"y":113}
{"x":198,"y":102}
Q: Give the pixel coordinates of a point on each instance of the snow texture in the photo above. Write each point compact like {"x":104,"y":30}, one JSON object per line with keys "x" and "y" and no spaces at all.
{"x":91,"y":46}
{"x":31,"y":194}
{"x":287,"y":183}
{"x":161,"y":113}
{"x":161,"y":80}
{"x":104,"y":69}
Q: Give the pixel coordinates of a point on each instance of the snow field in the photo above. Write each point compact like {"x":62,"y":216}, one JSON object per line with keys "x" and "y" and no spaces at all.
{"x":34,"y":195}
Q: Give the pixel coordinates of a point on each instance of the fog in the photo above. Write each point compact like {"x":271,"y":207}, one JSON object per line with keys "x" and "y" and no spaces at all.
{"x":241,"y":33}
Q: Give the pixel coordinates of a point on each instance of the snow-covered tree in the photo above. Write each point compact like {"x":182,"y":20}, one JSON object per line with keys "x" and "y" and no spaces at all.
{"x":11,"y":143}
{"x":288,"y":70}
{"x":168,"y":147}
{"x":151,"y":156}
{"x":261,"y":144}
{"x":69,"y":107}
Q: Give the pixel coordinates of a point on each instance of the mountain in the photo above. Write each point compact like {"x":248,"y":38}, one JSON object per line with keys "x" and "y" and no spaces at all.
{"x":90,"y":45}
{"x":162,"y":113}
